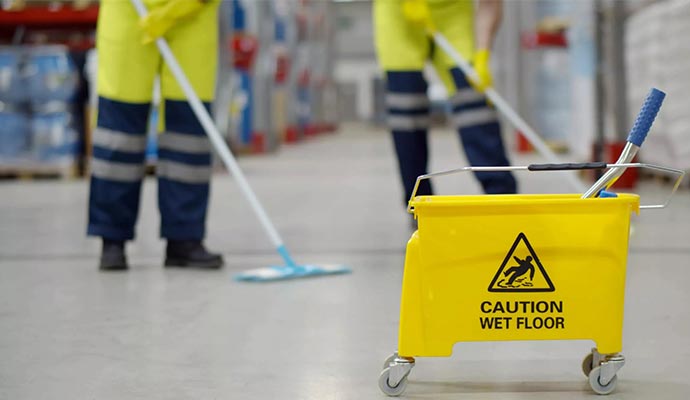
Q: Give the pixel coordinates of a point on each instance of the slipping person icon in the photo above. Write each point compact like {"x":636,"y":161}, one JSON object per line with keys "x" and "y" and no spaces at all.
{"x":521,"y":269}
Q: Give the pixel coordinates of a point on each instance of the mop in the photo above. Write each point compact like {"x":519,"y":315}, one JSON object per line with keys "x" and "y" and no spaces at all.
{"x":500,"y":103}
{"x":636,"y":137}
{"x":290,"y":269}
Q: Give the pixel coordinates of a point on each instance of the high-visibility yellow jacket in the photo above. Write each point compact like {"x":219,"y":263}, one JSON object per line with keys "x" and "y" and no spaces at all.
{"x":402,"y":45}
{"x":127,"y":66}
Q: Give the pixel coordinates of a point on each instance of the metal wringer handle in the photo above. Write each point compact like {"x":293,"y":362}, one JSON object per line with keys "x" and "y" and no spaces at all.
{"x":410,"y":208}
{"x":560,"y":167}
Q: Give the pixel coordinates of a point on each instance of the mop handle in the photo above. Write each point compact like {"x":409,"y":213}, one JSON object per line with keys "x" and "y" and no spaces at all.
{"x":502,"y":105}
{"x":638,"y":133}
{"x":216,"y":139}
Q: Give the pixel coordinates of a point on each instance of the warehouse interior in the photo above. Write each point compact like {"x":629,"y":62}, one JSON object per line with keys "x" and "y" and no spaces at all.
{"x":300,"y":100}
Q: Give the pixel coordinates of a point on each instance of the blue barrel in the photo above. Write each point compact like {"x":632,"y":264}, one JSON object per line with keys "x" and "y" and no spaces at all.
{"x":12,"y":86}
{"x":51,"y":74}
{"x":14,"y":135}
{"x":53,"y":136}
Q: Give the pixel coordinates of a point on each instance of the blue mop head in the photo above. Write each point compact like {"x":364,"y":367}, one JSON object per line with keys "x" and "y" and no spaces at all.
{"x":279,"y":273}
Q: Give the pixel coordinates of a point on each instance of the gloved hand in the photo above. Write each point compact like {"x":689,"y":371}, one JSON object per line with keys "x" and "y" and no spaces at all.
{"x":481,"y":66}
{"x":417,"y":11}
{"x":159,"y":20}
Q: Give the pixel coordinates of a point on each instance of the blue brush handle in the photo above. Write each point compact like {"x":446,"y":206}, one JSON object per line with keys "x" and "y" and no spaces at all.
{"x":645,"y":118}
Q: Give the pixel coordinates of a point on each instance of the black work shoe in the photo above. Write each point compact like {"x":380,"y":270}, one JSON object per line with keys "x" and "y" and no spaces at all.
{"x":190,"y":253}
{"x":113,"y":256}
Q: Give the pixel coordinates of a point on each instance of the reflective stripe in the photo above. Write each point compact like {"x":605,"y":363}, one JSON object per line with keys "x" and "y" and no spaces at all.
{"x":185,"y":143}
{"x":408,"y":122}
{"x":114,"y":140}
{"x":117,"y":171}
{"x":407,"y":101}
{"x":474,"y":117}
{"x":182,"y":172}
{"x":466,"y":95}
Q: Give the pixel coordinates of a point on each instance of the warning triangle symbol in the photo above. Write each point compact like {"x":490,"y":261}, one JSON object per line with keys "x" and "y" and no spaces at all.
{"x":521,"y":270}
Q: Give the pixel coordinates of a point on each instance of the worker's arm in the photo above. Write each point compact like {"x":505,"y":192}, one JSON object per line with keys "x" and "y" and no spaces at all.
{"x":487,"y":20}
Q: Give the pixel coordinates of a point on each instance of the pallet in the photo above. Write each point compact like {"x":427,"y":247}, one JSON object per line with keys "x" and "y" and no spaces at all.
{"x":31,"y":171}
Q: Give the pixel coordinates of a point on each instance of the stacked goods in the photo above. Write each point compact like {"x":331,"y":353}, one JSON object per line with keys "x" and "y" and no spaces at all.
{"x":37,"y":85}
{"x":657,"y":54}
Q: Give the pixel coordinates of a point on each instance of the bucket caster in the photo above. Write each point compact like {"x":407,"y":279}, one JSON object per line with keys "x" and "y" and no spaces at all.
{"x":393,"y":378}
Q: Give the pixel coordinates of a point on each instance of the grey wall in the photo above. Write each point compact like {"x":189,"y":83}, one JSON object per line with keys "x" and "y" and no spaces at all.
{"x":354,"y":33}
{"x":355,"y":58}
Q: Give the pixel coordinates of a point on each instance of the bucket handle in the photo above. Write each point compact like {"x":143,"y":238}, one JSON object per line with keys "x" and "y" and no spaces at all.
{"x":559,"y":167}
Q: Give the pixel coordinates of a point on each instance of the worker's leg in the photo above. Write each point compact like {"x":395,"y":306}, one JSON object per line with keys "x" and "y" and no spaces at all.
{"x":184,"y":171}
{"x":476,"y":121}
{"x":403,"y":49}
{"x":480,"y":134}
{"x":126,"y":69}
{"x":184,"y":155}
{"x":408,"y":119}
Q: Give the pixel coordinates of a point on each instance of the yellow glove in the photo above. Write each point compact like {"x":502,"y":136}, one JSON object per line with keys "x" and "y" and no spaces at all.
{"x":480,"y":63}
{"x":417,"y":11}
{"x":159,"y":20}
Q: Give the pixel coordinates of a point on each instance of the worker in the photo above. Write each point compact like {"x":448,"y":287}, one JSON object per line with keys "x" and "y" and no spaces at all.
{"x":404,"y":46}
{"x":128,"y":62}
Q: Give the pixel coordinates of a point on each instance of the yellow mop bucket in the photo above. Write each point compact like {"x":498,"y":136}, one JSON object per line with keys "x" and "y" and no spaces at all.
{"x":515,"y":267}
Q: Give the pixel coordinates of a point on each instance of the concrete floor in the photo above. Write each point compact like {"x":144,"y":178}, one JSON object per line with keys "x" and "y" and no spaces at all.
{"x":70,"y":332}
